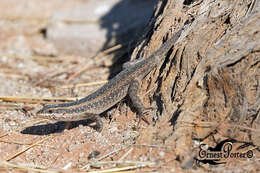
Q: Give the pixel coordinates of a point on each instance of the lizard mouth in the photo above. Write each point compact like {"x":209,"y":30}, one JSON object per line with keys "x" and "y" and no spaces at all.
{"x":39,"y":112}
{"x":42,"y":112}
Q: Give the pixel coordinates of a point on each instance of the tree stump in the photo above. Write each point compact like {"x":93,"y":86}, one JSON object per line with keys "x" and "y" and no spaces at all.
{"x":208,"y":88}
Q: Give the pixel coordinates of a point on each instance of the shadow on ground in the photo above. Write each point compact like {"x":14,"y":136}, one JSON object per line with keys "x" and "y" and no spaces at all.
{"x":57,"y":127}
{"x":124,"y":23}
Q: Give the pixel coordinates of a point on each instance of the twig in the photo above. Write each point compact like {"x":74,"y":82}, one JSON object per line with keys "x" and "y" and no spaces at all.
{"x":9,"y":105}
{"x":149,"y":91}
{"x":103,"y":53}
{"x":105,"y":156}
{"x":25,"y":167}
{"x":27,"y":148}
{"x":136,"y":165}
{"x":19,"y":143}
{"x":24,"y":99}
{"x":127,"y":153}
{"x":82,"y":85}
{"x":113,"y":152}
{"x":3,"y":135}
{"x":111,"y":49}
{"x":148,"y":145}
{"x":37,"y":58}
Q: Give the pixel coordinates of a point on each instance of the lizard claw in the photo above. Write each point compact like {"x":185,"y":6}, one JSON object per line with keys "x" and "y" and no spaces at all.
{"x":148,"y":110}
{"x":145,"y":111}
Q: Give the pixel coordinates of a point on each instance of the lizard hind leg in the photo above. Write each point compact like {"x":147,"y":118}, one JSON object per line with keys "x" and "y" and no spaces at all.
{"x":137,"y":103}
{"x":98,"y":123}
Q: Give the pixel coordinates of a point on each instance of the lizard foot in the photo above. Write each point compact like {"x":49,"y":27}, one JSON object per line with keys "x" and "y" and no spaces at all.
{"x":99,"y":123}
{"x":144,"y":112}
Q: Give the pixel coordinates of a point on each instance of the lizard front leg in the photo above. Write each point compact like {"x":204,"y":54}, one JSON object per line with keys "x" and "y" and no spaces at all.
{"x":133,"y":94}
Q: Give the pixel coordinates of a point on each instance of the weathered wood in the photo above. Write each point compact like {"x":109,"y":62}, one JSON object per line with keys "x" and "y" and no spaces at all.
{"x":208,"y":88}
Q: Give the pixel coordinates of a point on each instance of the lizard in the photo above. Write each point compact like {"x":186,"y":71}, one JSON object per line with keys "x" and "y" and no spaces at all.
{"x":127,"y":82}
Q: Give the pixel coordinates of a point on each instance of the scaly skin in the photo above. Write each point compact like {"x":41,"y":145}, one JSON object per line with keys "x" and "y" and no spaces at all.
{"x":126,"y":82}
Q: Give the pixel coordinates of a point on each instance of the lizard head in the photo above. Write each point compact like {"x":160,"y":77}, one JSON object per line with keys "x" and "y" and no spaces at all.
{"x":52,"y":112}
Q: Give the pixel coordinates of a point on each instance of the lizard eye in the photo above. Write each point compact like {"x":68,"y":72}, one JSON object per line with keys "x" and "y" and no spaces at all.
{"x":50,"y":111}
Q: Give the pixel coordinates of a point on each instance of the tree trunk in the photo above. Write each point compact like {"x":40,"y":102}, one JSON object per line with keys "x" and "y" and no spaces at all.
{"x":208,"y":88}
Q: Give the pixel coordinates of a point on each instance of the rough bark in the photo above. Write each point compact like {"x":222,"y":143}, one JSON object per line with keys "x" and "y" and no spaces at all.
{"x":207,"y":89}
